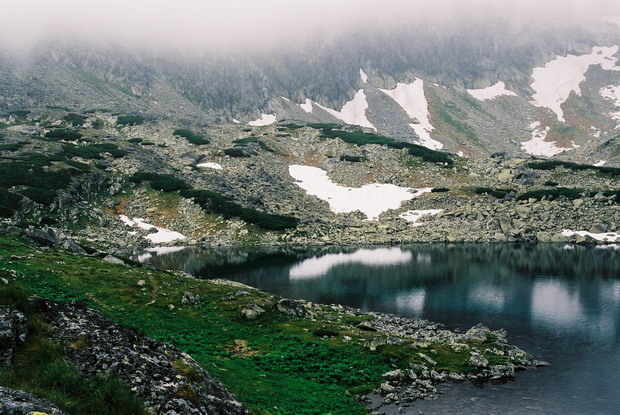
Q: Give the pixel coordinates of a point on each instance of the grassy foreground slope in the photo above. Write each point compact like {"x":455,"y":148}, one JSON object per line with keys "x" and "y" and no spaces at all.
{"x":274,"y":364}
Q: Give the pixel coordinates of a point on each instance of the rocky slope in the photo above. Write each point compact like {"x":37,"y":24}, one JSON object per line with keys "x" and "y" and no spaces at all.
{"x":87,"y":188}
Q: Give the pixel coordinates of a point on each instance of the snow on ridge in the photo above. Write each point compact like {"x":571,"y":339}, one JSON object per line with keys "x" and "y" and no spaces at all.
{"x":370,"y":199}
{"x":608,"y":236}
{"x":353,"y":112}
{"x":554,"y":82}
{"x":411,"y":99}
{"x":319,"y":266}
{"x":414,"y":215}
{"x":215,"y":166}
{"x":363,"y":76}
{"x":162,"y":235}
{"x":600,"y":163}
{"x":537,"y":146}
{"x":307,"y":106}
{"x":265,"y":119}
{"x":612,"y":93}
{"x":491,"y":92}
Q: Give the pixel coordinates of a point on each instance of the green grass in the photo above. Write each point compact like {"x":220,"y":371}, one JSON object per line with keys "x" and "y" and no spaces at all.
{"x":11,"y":147}
{"x":93,"y":151}
{"x":19,"y":113}
{"x":235,"y":152}
{"x":193,"y":138}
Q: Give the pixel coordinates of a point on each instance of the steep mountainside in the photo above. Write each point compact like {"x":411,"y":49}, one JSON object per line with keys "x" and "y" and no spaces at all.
{"x":469,"y":90}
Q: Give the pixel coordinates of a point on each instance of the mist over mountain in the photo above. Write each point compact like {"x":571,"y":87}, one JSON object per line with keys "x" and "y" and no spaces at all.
{"x":251,"y":63}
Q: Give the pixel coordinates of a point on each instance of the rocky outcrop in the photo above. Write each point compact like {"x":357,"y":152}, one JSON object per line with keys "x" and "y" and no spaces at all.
{"x":13,"y":402}
{"x":13,"y":331}
{"x":167,"y":380}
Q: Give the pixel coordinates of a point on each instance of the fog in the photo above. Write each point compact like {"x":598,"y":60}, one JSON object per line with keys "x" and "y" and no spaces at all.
{"x":229,"y":25}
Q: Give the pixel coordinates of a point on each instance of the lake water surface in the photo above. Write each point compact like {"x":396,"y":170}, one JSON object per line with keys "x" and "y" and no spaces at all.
{"x":560,"y":303}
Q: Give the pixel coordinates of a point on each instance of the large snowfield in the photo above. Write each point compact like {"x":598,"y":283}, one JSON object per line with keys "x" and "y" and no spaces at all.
{"x":371,"y":199}
{"x":353,"y":112}
{"x":555,"y":81}
{"x":537,"y":146}
{"x":411,"y":98}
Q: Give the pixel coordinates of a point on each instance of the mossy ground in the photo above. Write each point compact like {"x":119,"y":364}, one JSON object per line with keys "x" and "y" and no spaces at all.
{"x":275,"y":364}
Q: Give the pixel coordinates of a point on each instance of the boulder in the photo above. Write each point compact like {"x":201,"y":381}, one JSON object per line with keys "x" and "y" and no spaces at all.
{"x":14,"y":402}
{"x":13,"y":331}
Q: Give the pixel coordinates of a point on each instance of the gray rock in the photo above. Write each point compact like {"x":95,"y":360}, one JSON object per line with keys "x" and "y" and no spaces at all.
{"x":14,"y":402}
{"x":13,"y":331}
{"x":113,"y":260}
{"x":295,"y":308}
{"x":252,"y":311}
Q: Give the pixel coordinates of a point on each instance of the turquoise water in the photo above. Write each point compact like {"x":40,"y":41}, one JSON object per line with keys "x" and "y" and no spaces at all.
{"x":560,"y":303}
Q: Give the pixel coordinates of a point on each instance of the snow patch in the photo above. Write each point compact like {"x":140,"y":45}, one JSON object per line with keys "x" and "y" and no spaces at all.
{"x":236,"y":121}
{"x":537,"y":146}
{"x":609,"y":236}
{"x":555,"y":81}
{"x":286,"y":99}
{"x":600,"y":163}
{"x":612,"y":93}
{"x":370,"y":199}
{"x":363,"y":76}
{"x":411,"y":99}
{"x":162,"y":235}
{"x":353,"y":112}
{"x":414,"y":215}
{"x":265,"y":119}
{"x":491,"y":92}
{"x":307,"y":106}
{"x":215,"y":166}
{"x":319,"y":266}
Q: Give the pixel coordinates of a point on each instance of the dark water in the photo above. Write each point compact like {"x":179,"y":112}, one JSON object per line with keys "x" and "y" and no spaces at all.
{"x":562,"y":305}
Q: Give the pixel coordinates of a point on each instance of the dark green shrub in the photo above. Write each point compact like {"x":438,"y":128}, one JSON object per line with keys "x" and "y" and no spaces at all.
{"x":135,"y":140}
{"x":235,"y":152}
{"x":63,"y":134}
{"x":218,"y":203}
{"x":196,"y":139}
{"x":163,"y":182}
{"x":552,"y":164}
{"x":48,"y":221}
{"x":439,"y":189}
{"x":147,"y":143}
{"x":552,"y":193}
{"x":497,"y":193}
{"x":11,"y":147}
{"x":76,"y":119}
{"x":19,"y":113}
{"x":93,"y":151}
{"x":9,"y":203}
{"x":97,"y":124}
{"x":352,"y":159}
{"x":292,"y":126}
{"x":129,"y":120}
{"x":361,"y":138}
{"x":551,"y":183}
{"x":42,"y":196}
{"x":325,"y":332}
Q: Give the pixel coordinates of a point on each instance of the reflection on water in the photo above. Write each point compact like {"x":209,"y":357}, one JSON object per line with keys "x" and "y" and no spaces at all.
{"x":317,"y":267}
{"x":561,"y":304}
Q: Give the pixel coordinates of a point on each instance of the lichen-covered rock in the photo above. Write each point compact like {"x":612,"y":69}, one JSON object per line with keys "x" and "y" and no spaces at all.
{"x":295,"y":308}
{"x":166,"y":379}
{"x":13,"y":402}
{"x":13,"y":330}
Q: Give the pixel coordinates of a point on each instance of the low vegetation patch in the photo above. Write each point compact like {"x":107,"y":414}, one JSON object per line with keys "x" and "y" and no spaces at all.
{"x":76,"y":120}
{"x":551,"y":194}
{"x":215,"y":202}
{"x":193,"y":138}
{"x":129,"y":120}
{"x":63,"y":134}
{"x":497,"y":193}
{"x":352,"y":159}
{"x":553,"y":164}
{"x":361,"y":138}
